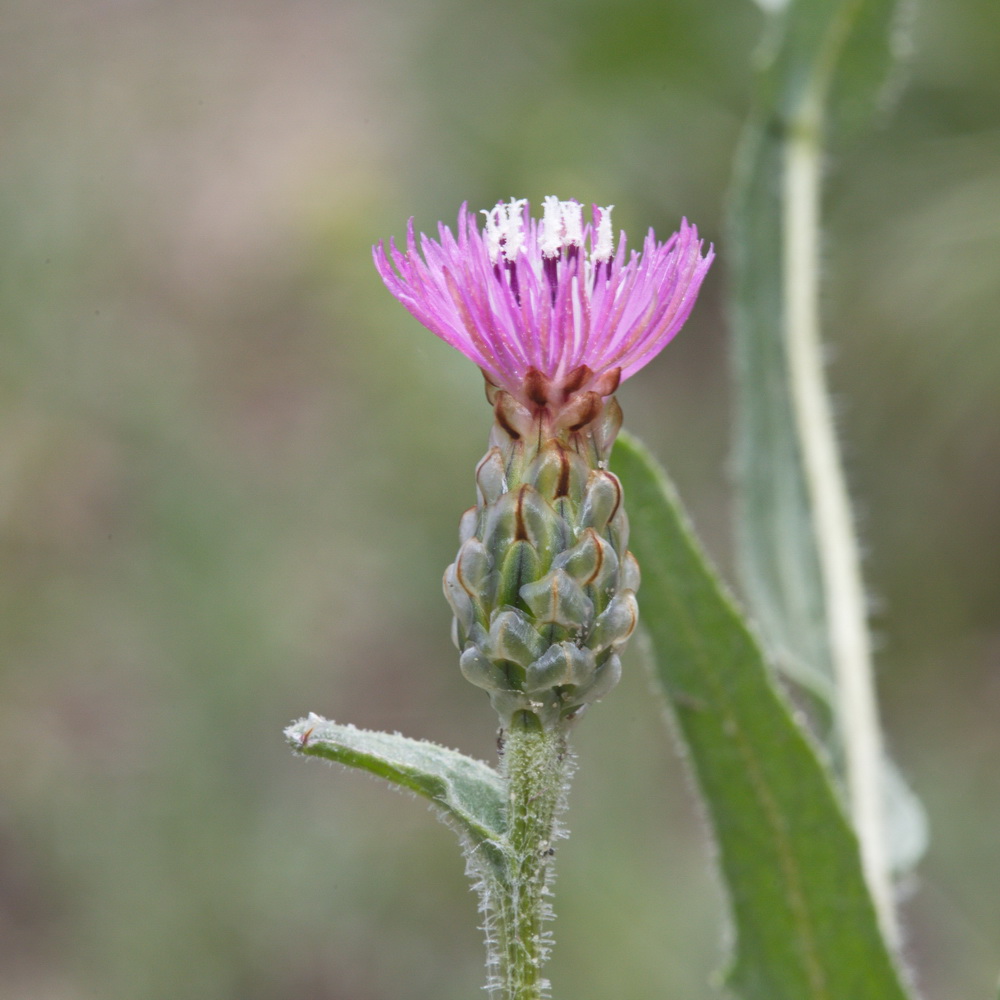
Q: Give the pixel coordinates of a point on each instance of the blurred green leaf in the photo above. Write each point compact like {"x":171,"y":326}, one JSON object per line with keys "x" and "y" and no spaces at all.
{"x":805,"y":925}
{"x":823,"y":70}
{"x":840,"y":50}
{"x":469,"y":795}
{"x":845,"y":49}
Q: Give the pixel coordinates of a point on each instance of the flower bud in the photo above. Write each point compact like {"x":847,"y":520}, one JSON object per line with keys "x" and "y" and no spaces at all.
{"x":543,"y":588}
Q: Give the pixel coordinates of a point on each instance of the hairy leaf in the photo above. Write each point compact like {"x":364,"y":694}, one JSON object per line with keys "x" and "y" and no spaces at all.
{"x":840,"y":51}
{"x":468,"y":794}
{"x":822,"y":72}
{"x":805,"y":925}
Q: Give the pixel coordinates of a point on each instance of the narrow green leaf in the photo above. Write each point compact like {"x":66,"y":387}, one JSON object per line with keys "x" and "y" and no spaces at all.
{"x":822,"y":72}
{"x":779,"y":563}
{"x":832,"y":55}
{"x":468,"y":794}
{"x":805,"y":925}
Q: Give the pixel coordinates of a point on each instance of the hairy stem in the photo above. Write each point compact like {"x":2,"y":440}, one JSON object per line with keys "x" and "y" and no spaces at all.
{"x":536,"y":766}
{"x":840,"y":564}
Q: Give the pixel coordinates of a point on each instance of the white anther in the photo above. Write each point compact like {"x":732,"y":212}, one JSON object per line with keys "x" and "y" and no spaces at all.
{"x":550,"y":242}
{"x":504,"y":231}
{"x":496,"y":219}
{"x":572,"y":220}
{"x":603,"y":244}
{"x":514,"y":230}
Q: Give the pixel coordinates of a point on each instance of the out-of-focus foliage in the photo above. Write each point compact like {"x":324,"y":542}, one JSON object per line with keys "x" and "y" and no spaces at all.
{"x":824,"y":70}
{"x":231,"y":470}
{"x":818,"y":59}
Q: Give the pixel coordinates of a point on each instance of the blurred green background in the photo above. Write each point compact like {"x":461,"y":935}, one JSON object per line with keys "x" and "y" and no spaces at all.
{"x":231,"y":471}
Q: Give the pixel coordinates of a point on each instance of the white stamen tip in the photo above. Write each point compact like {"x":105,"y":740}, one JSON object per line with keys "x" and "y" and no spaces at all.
{"x":572,"y":220}
{"x":495,"y":221}
{"x":514,"y":229}
{"x":550,"y":242}
{"x":603,"y":244}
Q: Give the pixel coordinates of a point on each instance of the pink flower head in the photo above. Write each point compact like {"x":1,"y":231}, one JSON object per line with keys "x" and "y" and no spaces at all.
{"x":543,"y":316}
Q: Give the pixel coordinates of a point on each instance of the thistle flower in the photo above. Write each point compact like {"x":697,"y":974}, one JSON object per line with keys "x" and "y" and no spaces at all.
{"x":543,"y":587}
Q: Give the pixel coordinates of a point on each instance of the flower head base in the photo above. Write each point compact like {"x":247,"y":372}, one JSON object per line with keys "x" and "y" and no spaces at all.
{"x":553,"y":324}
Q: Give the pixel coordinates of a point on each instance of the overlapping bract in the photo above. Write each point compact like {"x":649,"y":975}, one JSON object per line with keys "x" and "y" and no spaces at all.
{"x":543,"y":587}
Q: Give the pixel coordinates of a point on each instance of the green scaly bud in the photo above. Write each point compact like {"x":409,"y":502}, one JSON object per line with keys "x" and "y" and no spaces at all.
{"x":543,"y":586}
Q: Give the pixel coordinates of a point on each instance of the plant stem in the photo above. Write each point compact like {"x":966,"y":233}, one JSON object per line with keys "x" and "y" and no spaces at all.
{"x":840,"y":563}
{"x":536,"y":765}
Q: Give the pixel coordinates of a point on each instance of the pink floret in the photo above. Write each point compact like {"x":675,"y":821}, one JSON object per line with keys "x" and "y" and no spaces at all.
{"x":556,"y":305}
